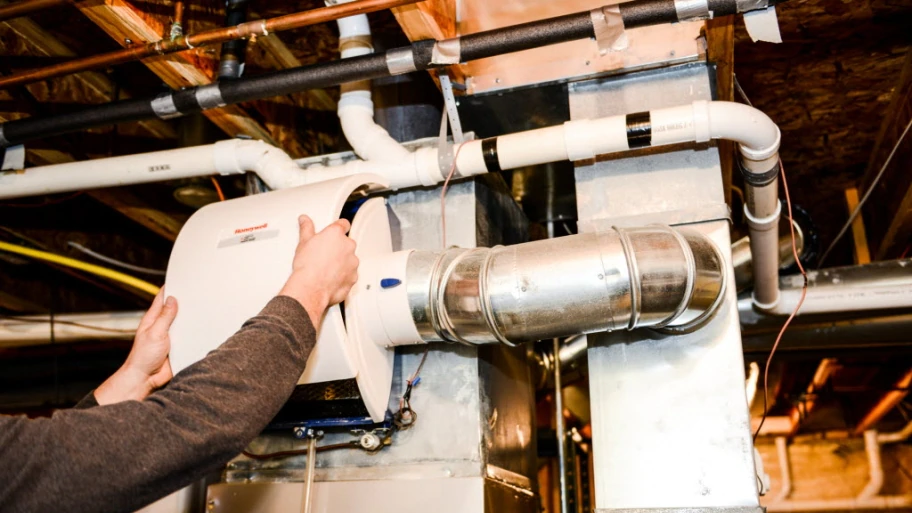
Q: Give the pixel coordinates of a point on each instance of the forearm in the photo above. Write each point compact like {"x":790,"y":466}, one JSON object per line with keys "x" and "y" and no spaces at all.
{"x":123,"y":455}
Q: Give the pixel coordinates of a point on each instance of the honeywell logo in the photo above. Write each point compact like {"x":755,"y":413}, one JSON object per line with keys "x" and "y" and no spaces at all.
{"x":251,"y":229}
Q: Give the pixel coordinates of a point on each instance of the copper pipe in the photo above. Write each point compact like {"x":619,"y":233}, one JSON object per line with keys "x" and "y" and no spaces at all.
{"x":886,"y":403}
{"x":179,"y":12}
{"x":207,"y":37}
{"x":26,"y":7}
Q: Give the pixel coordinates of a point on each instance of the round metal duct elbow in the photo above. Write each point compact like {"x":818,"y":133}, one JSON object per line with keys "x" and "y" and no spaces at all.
{"x":655,"y":277}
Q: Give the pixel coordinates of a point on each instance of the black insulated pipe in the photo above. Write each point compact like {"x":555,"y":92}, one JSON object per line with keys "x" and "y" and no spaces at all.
{"x":418,"y":56}
{"x":231,"y":61}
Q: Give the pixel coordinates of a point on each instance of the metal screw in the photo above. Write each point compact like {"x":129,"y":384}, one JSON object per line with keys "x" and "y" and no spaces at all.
{"x":496,"y":80}
{"x":601,"y":276}
{"x":211,"y":505}
{"x":672,"y":53}
{"x":523,"y":289}
{"x":300,"y":432}
{"x":587,"y":63}
{"x":128,"y":41}
{"x":368,"y":286}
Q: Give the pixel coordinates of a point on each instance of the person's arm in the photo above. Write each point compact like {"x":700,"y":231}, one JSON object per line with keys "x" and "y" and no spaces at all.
{"x":121,"y":456}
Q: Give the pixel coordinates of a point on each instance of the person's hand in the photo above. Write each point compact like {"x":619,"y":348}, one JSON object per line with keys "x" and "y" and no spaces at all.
{"x":147,"y":367}
{"x":324,"y":268}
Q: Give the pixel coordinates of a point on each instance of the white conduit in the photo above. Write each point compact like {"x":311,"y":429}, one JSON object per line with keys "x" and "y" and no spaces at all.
{"x":867,"y":499}
{"x":36,"y":329}
{"x":699,"y":122}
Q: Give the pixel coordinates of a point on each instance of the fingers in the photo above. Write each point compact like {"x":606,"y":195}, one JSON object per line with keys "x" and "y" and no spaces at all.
{"x":339,"y":224}
{"x":163,"y":322}
{"x":307,"y":230}
{"x":153,"y":312}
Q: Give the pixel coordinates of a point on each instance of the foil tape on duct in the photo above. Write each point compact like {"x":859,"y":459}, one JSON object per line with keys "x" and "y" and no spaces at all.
{"x":623,"y":279}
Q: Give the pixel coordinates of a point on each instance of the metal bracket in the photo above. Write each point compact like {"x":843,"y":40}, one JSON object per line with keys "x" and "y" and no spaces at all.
{"x":446,"y":153}
{"x":12,"y":158}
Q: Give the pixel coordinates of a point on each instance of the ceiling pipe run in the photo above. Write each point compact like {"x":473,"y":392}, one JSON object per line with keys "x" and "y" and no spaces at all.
{"x":35,"y":330}
{"x":207,"y":37}
{"x":26,"y":7}
{"x":421,"y":55}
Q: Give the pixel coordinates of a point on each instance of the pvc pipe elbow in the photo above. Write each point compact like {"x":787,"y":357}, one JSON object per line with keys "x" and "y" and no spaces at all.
{"x":369,"y":140}
{"x":757,"y":134}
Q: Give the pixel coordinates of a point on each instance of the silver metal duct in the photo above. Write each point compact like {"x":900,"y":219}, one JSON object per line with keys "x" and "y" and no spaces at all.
{"x":626,"y":278}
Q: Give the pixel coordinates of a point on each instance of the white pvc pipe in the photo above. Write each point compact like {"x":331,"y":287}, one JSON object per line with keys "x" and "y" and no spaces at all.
{"x":875,"y":466}
{"x":899,"y":436}
{"x":784,"y":469}
{"x":36,"y":329}
{"x":111,"y":172}
{"x":369,"y":140}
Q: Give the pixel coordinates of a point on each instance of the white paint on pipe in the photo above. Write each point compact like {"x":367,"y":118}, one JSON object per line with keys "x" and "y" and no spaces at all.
{"x":35,"y":330}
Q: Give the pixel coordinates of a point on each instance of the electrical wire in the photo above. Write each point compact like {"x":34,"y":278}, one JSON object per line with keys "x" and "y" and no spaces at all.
{"x":218,"y":188}
{"x":864,"y":198}
{"x":769,"y":359}
{"x":52,"y":320}
{"x":83,"y":266}
{"x":443,"y":191}
{"x":114,"y":261}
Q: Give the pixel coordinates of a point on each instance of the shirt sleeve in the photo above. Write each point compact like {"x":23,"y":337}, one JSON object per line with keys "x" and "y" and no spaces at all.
{"x":122,"y":456}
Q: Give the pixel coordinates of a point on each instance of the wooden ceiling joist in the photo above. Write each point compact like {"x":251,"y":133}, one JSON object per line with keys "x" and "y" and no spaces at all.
{"x":96,"y":88}
{"x":889,"y":209}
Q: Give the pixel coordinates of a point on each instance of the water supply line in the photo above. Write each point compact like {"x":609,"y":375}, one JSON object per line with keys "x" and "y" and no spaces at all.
{"x":27,"y":7}
{"x":604,"y":24}
{"x":207,"y":37}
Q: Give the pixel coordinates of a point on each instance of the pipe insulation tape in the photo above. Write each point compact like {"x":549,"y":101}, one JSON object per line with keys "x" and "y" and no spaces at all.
{"x":209,"y":96}
{"x":400,"y":61}
{"x":693,"y":10}
{"x":608,"y":26}
{"x":164,"y":108}
{"x":446,"y":52}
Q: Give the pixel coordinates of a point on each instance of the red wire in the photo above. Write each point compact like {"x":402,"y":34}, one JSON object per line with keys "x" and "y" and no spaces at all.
{"x":443,"y":191}
{"x":218,"y":188}
{"x":769,"y":359}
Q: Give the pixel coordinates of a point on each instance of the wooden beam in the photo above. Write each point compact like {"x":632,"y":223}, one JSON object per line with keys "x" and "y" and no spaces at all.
{"x":124,"y":22}
{"x":860,"y":239}
{"x":720,"y":50}
{"x":889,"y":209}
{"x":95,"y":88}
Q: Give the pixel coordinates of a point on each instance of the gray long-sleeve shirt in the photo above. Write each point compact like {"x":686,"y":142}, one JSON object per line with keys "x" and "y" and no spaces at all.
{"x":120,"y":457}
